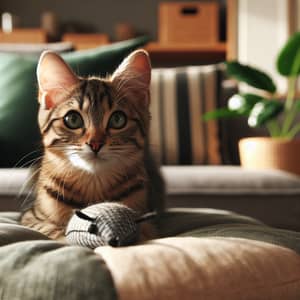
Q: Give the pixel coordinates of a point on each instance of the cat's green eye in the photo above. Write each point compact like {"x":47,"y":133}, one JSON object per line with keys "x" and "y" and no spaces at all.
{"x":117,"y":120}
{"x":73,"y":120}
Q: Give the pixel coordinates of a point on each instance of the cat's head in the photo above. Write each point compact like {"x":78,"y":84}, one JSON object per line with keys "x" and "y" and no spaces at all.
{"x":93,"y":121}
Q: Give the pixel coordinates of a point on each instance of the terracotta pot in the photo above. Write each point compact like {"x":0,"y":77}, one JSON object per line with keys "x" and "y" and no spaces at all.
{"x":270,"y":153}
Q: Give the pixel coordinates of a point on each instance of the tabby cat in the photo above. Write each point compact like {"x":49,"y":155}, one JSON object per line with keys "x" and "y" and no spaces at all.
{"x":95,"y":137}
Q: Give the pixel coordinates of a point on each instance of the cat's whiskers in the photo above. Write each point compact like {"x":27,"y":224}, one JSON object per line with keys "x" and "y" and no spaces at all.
{"x":31,"y":162}
{"x":26,"y":155}
{"x":31,"y":189}
{"x":25,"y":185}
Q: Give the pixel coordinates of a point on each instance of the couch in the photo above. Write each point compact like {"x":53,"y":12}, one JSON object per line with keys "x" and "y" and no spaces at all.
{"x":204,"y":251}
{"x":199,"y":160}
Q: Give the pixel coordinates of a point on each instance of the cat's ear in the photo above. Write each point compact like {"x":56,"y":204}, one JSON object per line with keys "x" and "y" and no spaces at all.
{"x":134,"y":72}
{"x":55,"y":78}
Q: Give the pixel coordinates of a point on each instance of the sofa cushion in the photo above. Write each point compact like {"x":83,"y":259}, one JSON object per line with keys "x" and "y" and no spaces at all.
{"x":19,"y":134}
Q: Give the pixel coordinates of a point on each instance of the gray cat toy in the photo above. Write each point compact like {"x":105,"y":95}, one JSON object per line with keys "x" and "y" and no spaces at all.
{"x":105,"y":224}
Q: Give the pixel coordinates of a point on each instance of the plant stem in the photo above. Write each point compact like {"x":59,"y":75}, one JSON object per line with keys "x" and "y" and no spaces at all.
{"x":289,"y":118}
{"x":290,"y":109}
{"x":273,"y":128}
{"x":291,"y":92}
{"x":292,"y":133}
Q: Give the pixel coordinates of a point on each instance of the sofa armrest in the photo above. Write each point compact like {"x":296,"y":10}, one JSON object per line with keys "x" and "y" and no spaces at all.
{"x":267,"y":195}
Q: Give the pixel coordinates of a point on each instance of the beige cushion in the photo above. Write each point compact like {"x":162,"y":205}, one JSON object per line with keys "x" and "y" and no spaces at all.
{"x":204,"y":268}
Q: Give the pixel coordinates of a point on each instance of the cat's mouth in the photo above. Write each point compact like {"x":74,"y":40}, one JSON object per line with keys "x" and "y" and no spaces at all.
{"x":85,"y":160}
{"x":88,"y":160}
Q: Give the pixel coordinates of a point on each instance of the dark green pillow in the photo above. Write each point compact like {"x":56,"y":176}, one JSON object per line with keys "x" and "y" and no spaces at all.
{"x":19,"y":134}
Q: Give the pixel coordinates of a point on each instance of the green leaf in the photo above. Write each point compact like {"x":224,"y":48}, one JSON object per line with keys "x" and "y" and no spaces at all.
{"x":288,"y":60}
{"x":297,"y":105}
{"x":221,"y":113}
{"x":251,"y":76}
{"x":243,"y":102}
{"x":264,"y":111}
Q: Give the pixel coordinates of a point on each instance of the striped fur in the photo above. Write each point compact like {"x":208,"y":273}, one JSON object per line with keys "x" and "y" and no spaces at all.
{"x":72,"y":176}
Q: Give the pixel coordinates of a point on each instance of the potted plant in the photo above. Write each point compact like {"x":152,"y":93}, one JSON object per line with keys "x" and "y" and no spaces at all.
{"x":266,"y":108}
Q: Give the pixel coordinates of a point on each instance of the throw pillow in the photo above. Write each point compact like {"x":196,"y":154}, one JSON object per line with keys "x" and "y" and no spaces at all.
{"x":179,"y":98}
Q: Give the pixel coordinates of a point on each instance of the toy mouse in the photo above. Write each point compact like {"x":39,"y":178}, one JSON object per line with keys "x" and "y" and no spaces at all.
{"x":103,"y":224}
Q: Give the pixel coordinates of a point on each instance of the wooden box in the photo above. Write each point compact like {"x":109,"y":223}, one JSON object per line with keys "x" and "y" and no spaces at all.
{"x":188,"y":22}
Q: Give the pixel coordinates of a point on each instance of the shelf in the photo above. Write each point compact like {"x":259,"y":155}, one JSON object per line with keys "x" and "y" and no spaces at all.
{"x":183,"y":54}
{"x":86,"y":40}
{"x":29,"y":35}
{"x":162,"y":55}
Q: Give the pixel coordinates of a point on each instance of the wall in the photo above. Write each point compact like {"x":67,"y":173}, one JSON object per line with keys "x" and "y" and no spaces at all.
{"x":263,"y":28}
{"x":298,"y":14}
{"x":100,"y":15}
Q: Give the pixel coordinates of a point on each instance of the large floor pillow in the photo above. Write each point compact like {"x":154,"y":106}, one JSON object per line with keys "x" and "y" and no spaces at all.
{"x":211,"y":268}
{"x":214,"y":255}
{"x":19,"y":134}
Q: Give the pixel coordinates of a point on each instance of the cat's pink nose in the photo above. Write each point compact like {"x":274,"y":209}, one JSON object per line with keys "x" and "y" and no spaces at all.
{"x":95,"y":146}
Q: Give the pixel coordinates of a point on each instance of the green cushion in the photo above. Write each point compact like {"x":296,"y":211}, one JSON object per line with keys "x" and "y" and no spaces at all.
{"x":19,"y":134}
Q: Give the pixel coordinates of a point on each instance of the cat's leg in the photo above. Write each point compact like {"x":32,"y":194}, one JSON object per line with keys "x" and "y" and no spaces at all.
{"x":51,"y":230}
